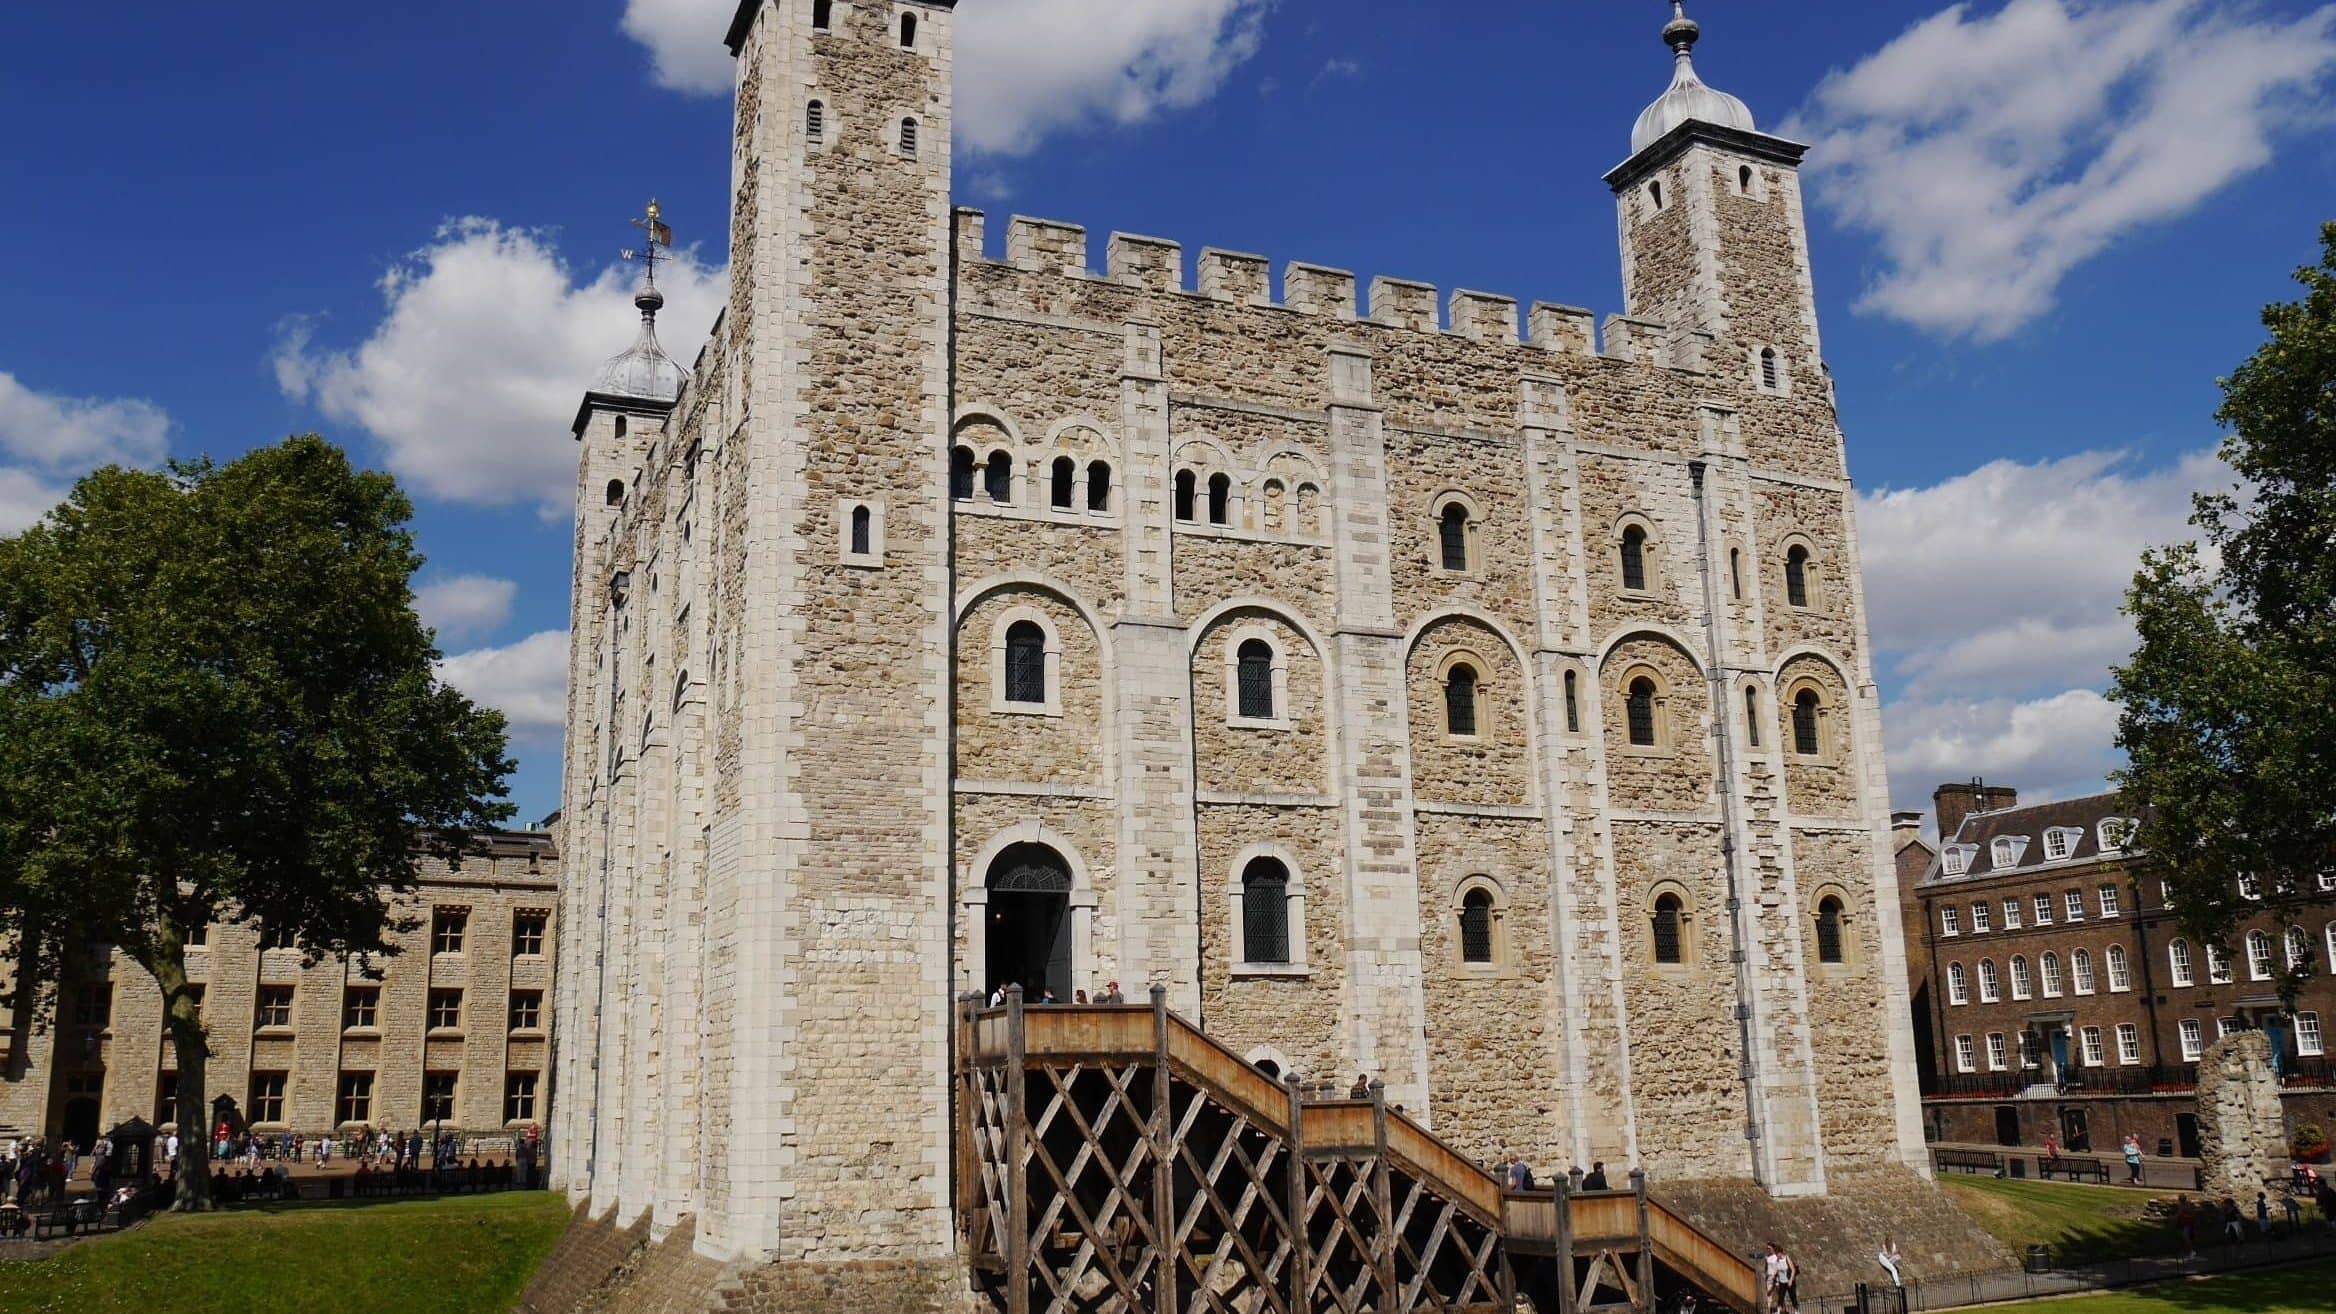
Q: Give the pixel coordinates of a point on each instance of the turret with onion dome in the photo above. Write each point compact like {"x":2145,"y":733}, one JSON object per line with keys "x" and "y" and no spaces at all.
{"x":642,"y":379}
{"x":1688,"y":100}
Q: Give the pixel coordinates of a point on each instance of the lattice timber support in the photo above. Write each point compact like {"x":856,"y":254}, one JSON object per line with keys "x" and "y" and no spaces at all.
{"x":1115,"y":1160}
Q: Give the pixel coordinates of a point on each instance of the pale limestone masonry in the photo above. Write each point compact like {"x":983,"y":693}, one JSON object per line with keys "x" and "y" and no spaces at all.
{"x":100,"y":1057}
{"x":796,"y":768}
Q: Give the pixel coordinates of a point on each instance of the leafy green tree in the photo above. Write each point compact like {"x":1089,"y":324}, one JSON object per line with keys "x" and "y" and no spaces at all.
{"x":2230,"y":700}
{"x":218,"y":705}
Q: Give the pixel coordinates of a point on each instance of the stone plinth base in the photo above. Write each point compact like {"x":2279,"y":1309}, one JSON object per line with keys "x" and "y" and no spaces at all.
{"x":598,"y":1268}
{"x":1835,"y":1237}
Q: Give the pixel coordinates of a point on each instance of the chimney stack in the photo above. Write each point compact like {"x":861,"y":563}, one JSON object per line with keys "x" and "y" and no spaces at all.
{"x":1955,"y":802}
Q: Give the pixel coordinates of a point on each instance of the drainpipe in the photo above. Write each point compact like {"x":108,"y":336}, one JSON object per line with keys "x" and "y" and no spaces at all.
{"x":1723,"y":725}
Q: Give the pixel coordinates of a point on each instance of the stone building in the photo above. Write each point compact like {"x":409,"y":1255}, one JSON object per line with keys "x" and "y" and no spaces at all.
{"x":2058,"y":995}
{"x":1476,"y":699}
{"x":454,"y":1026}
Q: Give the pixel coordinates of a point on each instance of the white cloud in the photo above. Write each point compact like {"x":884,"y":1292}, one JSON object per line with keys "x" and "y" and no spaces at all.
{"x":471,"y":378}
{"x":527,"y":682}
{"x":465,"y":606}
{"x":49,"y":439}
{"x":1025,"y":68}
{"x":1990,"y":154}
{"x":1994,"y":599}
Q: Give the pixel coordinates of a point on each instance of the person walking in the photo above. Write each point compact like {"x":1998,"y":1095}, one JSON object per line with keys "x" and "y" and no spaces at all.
{"x":2263,"y":1214}
{"x":2132,"y":1159}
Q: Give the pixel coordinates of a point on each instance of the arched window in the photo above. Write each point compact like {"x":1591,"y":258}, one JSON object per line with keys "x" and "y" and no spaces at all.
{"x":2259,"y":955}
{"x":1796,"y":576}
{"x":1770,"y":378}
{"x":1744,"y":179}
{"x":822,"y":14}
{"x":1099,"y":485}
{"x":1476,"y":911}
{"x":998,"y":478}
{"x":1829,"y":930}
{"x":2178,"y":959}
{"x":1256,"y":680}
{"x":1736,"y":573}
{"x":1669,"y":916}
{"x":908,"y":137}
{"x":1265,"y":912}
{"x":2048,"y":973}
{"x":2120,"y":971}
{"x":2022,"y":985}
{"x":1806,"y":741}
{"x":908,"y":31}
{"x":1752,"y":716}
{"x":1958,"y":984}
{"x":1655,"y":193}
{"x":1186,"y":482}
{"x":863,"y":531}
{"x":615,"y":493}
{"x":1573,"y":704}
{"x":2080,"y":971}
{"x":1026,"y":664}
{"x":1460,"y":700}
{"x":1066,"y":480}
{"x":1452,"y":535}
{"x":1634,"y":559}
{"x":961,"y":473}
{"x":2299,"y":947}
{"x":815,"y":122}
{"x":1269,"y":506}
{"x":1640,"y":705}
{"x":1990,"y":985}
{"x":1220,"y":499}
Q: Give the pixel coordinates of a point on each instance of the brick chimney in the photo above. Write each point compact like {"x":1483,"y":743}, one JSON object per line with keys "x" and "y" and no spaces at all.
{"x":1955,"y":802}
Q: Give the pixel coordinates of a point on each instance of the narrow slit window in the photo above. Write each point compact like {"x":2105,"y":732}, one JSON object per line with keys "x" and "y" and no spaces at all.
{"x":1476,"y":942}
{"x":1256,"y":680}
{"x":822,"y":14}
{"x":1796,"y":576}
{"x":1805,"y":724}
{"x":1265,"y":912}
{"x":1771,"y":377}
{"x":1099,"y":486}
{"x":1573,"y":704}
{"x":1640,"y":709}
{"x":1065,"y":484}
{"x":961,"y":473}
{"x":1187,"y":484}
{"x":1829,"y":930}
{"x":1220,"y":499}
{"x":1752,"y":717}
{"x":1460,"y":701}
{"x":908,"y":136}
{"x":1736,"y":573}
{"x":1634,"y":559}
{"x":998,"y":479}
{"x":863,"y":531}
{"x":815,"y":122}
{"x":1452,"y":532}
{"x":1026,"y":664}
{"x":1668,"y":915}
{"x":908,"y":31}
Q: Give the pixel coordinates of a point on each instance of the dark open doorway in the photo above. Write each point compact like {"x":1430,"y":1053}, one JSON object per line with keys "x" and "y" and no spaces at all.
{"x":79,"y":1125}
{"x":2007,"y":1124}
{"x":1029,"y":932}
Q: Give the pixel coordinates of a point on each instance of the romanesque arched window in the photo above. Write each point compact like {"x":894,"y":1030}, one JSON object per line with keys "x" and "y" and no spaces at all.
{"x":1265,"y":911}
{"x":1476,"y":927}
{"x":1256,"y":680}
{"x":1807,"y":739}
{"x":1452,"y":536}
{"x":1186,"y":484}
{"x":1639,"y":705}
{"x":615,"y":493}
{"x":1065,"y":482}
{"x":1220,"y":499}
{"x":1099,"y":485}
{"x":961,"y":466}
{"x":998,"y":478}
{"x":863,"y":531}
{"x":1771,"y":375}
{"x":1669,"y":917}
{"x":1026,"y":663}
{"x":1752,"y":716}
{"x":1829,"y":930}
{"x":1634,"y":559}
{"x":1796,"y":576}
{"x":1460,"y":700}
{"x":908,"y":31}
{"x":908,"y":137}
{"x":815,"y":122}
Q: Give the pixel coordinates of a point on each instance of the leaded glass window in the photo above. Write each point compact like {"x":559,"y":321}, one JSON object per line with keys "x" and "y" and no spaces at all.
{"x":1265,"y":912}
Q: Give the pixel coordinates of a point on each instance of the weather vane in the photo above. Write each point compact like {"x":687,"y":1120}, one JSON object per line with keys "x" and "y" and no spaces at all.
{"x":660,"y":240}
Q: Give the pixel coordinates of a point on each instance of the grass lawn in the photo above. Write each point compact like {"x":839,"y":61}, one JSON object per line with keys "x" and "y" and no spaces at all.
{"x":455,"y":1256}
{"x":2304,"y":1289}
{"x":2082,"y":1224}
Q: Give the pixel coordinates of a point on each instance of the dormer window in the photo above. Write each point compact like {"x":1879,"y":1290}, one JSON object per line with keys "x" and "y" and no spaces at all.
{"x":1955,"y":859}
{"x":2251,"y":887}
{"x":2116,"y":833}
{"x":2008,"y":850}
{"x":2059,"y":842}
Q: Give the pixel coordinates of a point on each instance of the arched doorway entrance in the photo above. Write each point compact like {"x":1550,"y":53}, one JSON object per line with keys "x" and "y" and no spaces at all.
{"x":1028,"y":937}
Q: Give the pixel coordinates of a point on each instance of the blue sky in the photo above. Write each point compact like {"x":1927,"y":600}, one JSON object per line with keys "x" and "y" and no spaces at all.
{"x":2041,"y":228}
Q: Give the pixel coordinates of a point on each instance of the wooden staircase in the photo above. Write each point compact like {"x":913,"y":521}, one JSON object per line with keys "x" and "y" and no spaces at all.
{"x":1116,"y":1160}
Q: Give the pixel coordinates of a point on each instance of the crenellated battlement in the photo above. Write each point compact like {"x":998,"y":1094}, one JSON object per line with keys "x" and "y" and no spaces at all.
{"x":1154,"y":264}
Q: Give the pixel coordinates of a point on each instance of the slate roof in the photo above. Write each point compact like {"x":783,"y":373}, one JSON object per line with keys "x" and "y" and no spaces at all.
{"x":1981,"y":829}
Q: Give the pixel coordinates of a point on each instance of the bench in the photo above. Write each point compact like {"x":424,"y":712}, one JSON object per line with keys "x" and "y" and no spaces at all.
{"x":2091,"y":1170}
{"x":1968,"y":1161}
{"x":64,"y":1220}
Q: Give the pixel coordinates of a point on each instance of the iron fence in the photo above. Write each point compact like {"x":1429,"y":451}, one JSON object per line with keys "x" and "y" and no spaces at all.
{"x":2041,"y":1278}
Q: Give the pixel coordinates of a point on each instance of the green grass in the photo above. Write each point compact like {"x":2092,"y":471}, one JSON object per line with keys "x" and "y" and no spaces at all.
{"x":2303,"y":1289}
{"x":456,"y":1256}
{"x":2082,"y":1224}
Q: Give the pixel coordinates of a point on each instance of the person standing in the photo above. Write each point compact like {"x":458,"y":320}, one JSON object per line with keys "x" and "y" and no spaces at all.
{"x":1111,"y":994}
{"x":1891,"y":1260}
{"x":1596,"y":1181}
{"x":2132,"y":1159}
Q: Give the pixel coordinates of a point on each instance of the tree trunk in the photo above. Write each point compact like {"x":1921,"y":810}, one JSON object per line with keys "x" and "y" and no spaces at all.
{"x":183,"y":1014}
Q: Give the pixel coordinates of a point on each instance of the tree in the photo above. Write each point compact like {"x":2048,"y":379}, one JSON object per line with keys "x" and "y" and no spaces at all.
{"x":218,"y":705}
{"x":2230,"y":700}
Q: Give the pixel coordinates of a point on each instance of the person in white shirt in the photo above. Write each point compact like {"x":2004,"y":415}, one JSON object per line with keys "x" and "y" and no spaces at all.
{"x":1890,"y":1261}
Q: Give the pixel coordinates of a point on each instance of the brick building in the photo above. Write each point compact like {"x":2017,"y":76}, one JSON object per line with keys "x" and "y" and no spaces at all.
{"x":1431,"y":687}
{"x":2055,"y":992}
{"x":455,"y":1026}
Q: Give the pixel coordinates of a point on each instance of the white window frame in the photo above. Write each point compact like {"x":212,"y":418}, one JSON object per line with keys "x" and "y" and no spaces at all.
{"x":2059,"y":842}
{"x":2128,"y":1043}
{"x":1007,"y":620}
{"x":2225,"y":1028}
{"x":2330,"y":936}
{"x":2043,"y":905}
{"x":2180,"y":964}
{"x":2011,"y":914}
{"x":1235,"y":640}
{"x":2113,"y":833}
{"x":2096,"y":1056}
{"x":2119,"y":966}
{"x":2259,"y":958}
{"x":2023,"y":981}
{"x":1990,"y":984}
{"x":1951,"y":923}
{"x":1239,"y":943}
{"x":2218,"y":965}
{"x":1958,"y":986}
{"x":2111,"y":904}
{"x":2251,"y":886}
{"x":2081,"y":979}
{"x":2299,"y":947}
{"x":1998,"y":1052}
{"x":2007,"y":851}
{"x":2048,"y":975}
{"x":2073,"y":905}
{"x":1981,"y":921}
{"x":1954,"y":860}
{"x":1966,"y":1054}
{"x":2031,"y":1054}
{"x":2308,"y":1040}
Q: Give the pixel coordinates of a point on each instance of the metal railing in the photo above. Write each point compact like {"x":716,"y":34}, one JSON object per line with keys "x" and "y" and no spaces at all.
{"x":2038,"y":1280}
